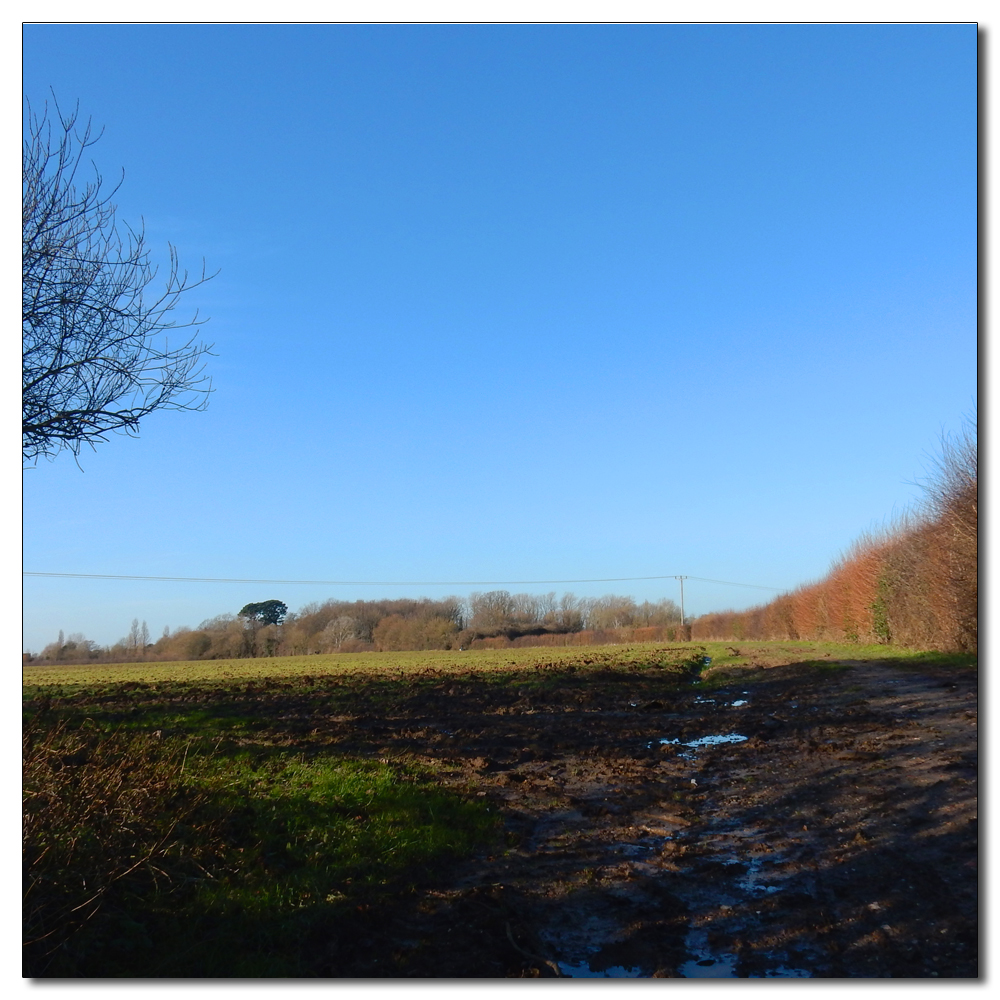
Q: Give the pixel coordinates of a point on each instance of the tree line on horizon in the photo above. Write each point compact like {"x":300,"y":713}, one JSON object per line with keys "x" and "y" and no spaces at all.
{"x":912,"y":583}
{"x":333,"y":626}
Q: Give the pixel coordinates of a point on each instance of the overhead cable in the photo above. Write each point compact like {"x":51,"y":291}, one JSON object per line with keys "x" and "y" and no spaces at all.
{"x":386,"y":583}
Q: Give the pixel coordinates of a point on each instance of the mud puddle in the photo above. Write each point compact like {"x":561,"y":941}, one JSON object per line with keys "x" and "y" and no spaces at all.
{"x":605,"y":932}
{"x":830,"y":833}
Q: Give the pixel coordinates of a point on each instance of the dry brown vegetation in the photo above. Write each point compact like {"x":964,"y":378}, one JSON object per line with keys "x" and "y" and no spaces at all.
{"x":495,"y":619}
{"x":914,"y":583}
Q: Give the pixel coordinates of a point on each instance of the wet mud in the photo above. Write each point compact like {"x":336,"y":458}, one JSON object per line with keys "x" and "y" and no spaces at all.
{"x":798,"y":822}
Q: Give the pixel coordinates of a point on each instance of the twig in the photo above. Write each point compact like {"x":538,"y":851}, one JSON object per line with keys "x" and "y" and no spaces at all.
{"x":535,"y":958}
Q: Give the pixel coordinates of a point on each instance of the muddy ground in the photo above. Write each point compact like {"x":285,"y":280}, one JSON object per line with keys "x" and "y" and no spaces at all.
{"x":837,"y":837}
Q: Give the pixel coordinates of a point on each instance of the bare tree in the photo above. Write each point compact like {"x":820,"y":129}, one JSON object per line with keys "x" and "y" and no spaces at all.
{"x":571,"y":613}
{"x":338,"y":631}
{"x":611,"y":611}
{"x":492,"y":610}
{"x":96,"y":351}
{"x":137,"y":638}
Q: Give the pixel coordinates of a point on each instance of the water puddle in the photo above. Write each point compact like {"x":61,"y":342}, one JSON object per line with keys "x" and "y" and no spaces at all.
{"x":709,"y":968}
{"x":752,"y":880}
{"x":783,"y":972}
{"x":595,"y":939}
{"x":724,"y":967}
{"x":582,"y":970}
{"x":709,"y":741}
{"x":702,"y":741}
{"x":732,"y":868}
{"x":699,"y":700}
{"x":705,"y":964}
{"x":647,"y":847}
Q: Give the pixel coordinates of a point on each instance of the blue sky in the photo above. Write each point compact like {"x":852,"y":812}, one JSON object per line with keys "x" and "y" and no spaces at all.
{"x":521,"y":303}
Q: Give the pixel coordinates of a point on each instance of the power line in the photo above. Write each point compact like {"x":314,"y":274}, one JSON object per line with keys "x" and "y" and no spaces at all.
{"x":387,"y":583}
{"x":729,"y":583}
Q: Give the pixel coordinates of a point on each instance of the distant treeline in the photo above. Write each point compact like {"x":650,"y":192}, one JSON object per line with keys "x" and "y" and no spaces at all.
{"x":484,"y":619}
{"x":913,"y":584}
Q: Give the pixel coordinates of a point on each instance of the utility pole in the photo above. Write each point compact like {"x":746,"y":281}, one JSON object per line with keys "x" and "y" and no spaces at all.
{"x":681,"y":580}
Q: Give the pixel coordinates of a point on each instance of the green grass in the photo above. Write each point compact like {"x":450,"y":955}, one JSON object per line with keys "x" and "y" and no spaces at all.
{"x":163,"y":858}
{"x":733,"y":661}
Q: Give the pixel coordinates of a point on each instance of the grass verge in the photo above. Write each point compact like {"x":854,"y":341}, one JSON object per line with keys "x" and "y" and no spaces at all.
{"x":149,"y":857}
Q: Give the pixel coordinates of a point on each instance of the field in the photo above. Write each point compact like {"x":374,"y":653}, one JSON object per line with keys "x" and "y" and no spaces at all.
{"x":481,"y":661}
{"x":786,"y":809}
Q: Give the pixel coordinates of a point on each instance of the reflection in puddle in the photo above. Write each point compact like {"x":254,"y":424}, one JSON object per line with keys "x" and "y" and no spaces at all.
{"x":704,"y":741}
{"x":753,"y":881}
{"x":708,"y":741}
{"x":645,"y":849}
{"x":705,"y":964}
{"x":711,"y":701}
{"x":783,"y":972}
{"x":723,"y":967}
{"x":582,"y":970}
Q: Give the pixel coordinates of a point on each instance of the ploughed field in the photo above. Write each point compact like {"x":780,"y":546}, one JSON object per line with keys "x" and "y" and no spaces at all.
{"x":787,"y":810}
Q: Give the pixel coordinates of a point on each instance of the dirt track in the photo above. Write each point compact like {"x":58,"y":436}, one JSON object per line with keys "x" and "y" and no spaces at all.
{"x":837,"y":840}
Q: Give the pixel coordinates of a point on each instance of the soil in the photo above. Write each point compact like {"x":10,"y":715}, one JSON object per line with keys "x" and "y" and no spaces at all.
{"x":833,"y":835}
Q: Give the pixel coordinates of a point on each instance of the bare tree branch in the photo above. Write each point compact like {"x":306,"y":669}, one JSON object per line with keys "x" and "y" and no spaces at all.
{"x":96,"y":352}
